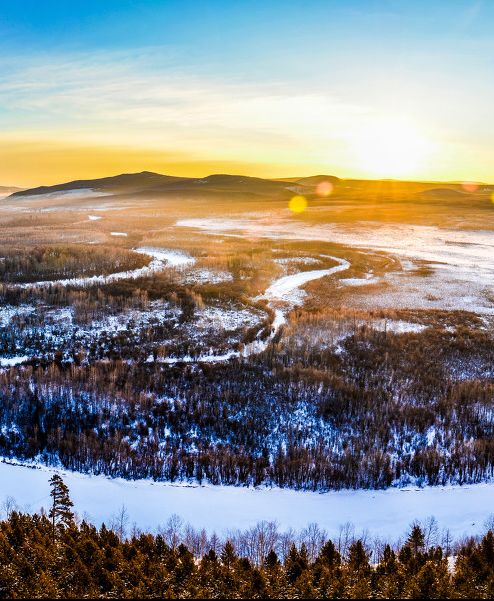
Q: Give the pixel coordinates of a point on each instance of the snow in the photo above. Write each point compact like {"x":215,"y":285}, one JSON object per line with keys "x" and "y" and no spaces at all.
{"x":94,"y":217}
{"x":387,"y":513}
{"x":225,"y":319}
{"x":12,"y":361}
{"x":398,"y":326}
{"x":284,"y":287}
{"x":121,"y":234}
{"x":359,"y":281}
{"x":8,"y":312}
{"x":304,"y":260}
{"x":76,"y":193}
{"x":161,"y":258}
{"x":462,"y":272}
{"x":207,"y":276}
{"x":175,"y":258}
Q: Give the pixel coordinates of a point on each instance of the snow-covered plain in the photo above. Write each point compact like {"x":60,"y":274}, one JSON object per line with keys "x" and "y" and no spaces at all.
{"x":386,"y":513}
{"x":462,"y":273}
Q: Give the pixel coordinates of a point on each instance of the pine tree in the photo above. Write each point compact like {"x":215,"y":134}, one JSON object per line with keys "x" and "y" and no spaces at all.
{"x":416,"y":539}
{"x":60,"y":513}
{"x":228,"y":555}
{"x":358,"y":558}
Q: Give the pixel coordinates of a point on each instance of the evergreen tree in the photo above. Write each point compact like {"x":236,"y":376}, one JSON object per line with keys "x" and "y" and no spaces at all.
{"x":61,"y":514}
{"x":416,"y":539}
{"x":328,"y":555}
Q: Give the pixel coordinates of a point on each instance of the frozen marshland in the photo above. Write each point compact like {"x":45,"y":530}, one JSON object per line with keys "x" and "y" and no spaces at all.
{"x":459,"y":276}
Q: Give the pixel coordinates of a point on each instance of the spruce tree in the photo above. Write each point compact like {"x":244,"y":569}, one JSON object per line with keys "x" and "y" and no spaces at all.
{"x":60,"y":513}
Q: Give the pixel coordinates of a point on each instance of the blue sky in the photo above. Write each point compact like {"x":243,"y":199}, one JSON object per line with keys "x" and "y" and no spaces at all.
{"x":263,"y":88}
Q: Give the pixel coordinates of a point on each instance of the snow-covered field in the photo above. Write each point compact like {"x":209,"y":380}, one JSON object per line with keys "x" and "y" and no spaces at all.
{"x":388,"y":513}
{"x":461,"y":260}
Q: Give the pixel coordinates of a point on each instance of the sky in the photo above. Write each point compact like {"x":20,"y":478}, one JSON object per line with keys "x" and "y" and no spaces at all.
{"x":359,"y":88}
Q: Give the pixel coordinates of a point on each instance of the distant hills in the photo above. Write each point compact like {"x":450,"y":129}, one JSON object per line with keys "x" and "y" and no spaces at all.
{"x":147,"y":183}
{"x":118,"y":183}
{"x":8,"y":190}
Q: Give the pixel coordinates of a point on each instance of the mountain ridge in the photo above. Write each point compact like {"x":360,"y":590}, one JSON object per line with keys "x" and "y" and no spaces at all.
{"x":157,"y":183}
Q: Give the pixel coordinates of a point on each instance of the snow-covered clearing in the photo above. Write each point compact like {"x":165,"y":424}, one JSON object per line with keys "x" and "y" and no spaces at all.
{"x":359,"y":281}
{"x":303,"y":260}
{"x":386,"y":513}
{"x":398,"y":326}
{"x":9,"y":312}
{"x":94,"y":217}
{"x":207,"y":276}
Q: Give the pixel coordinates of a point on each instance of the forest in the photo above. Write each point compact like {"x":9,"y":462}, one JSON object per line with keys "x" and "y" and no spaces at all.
{"x":64,"y":261}
{"x":55,"y":555}
{"x":384,"y":409}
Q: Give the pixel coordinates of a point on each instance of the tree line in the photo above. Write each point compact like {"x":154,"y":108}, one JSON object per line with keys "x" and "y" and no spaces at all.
{"x":61,"y":262}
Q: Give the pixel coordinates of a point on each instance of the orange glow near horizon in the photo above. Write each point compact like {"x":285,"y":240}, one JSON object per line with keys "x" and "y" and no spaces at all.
{"x":383,"y":151}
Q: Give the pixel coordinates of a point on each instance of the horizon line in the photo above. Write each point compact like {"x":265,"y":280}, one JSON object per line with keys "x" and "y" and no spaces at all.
{"x":184,"y":177}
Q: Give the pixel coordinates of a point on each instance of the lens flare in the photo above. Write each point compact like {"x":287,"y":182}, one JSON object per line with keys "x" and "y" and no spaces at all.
{"x":492,"y":197}
{"x":297,"y":204}
{"x":324,"y":188}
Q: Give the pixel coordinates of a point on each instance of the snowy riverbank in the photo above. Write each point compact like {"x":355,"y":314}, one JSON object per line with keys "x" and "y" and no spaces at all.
{"x":160,"y":258}
{"x":387,"y":513}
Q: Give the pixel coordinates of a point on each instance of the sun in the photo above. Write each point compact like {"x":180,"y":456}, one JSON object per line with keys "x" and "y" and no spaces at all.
{"x":390,"y":148}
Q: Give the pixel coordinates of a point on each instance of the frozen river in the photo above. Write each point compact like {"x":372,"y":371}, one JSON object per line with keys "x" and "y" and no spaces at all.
{"x":387,"y":513}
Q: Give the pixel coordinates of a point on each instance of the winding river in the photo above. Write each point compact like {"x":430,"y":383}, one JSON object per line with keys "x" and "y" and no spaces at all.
{"x":279,"y":295}
{"x":280,"y":298}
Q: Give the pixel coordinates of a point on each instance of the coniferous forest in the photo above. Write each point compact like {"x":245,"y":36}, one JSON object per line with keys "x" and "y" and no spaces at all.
{"x":54,"y":556}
